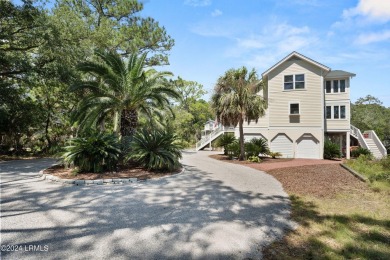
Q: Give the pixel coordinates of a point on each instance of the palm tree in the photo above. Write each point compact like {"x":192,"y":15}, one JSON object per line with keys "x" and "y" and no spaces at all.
{"x":235,"y":100}
{"x":122,"y":91}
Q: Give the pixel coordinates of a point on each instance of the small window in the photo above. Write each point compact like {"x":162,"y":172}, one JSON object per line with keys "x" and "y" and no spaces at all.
{"x":336,"y":112}
{"x":335,"y":86}
{"x":342,"y":85}
{"x":342,"y":112}
{"x":289,"y":82}
{"x":328,"y":112}
{"x":299,"y":81}
{"x":294,"y":109}
{"x":328,"y":86}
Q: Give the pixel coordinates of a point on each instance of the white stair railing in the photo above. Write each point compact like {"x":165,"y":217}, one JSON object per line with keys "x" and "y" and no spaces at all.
{"x":358,"y":135}
{"x":377,"y":141}
{"x":209,"y":138}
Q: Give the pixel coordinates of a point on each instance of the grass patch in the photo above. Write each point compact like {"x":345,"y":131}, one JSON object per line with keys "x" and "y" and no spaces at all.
{"x":350,"y":226}
{"x":377,"y":171}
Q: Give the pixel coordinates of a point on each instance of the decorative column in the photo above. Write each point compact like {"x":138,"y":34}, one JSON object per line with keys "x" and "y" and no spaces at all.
{"x":348,"y":148}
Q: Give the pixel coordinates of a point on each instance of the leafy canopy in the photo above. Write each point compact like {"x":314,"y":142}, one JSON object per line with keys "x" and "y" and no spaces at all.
{"x":235,"y":100}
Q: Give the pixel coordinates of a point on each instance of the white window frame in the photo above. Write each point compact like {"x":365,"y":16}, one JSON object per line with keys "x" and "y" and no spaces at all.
{"x":294,"y":81}
{"x":332,"y":108}
{"x":299,"y":108}
{"x":331,"y":114}
{"x":339,"y":84}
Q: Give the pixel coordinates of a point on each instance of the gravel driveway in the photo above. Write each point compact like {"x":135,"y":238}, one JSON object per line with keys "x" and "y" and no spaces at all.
{"x":213,"y":210}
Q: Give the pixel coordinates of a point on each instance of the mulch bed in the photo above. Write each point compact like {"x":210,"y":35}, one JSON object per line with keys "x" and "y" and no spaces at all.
{"x":325,"y":179}
{"x":125,"y":172}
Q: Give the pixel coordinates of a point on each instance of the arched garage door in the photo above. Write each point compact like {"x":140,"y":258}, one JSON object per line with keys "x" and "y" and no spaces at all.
{"x":308,"y":147}
{"x":282,"y":144}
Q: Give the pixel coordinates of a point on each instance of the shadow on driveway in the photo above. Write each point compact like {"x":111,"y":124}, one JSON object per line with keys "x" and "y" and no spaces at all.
{"x":185,"y":216}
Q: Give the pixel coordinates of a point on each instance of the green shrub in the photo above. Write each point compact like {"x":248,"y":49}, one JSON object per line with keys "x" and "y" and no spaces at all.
{"x":274,"y":154}
{"x":233,"y":149}
{"x":254,"y":159}
{"x":386,"y":163}
{"x":93,"y":153}
{"x":382,"y":176}
{"x":256,"y":146}
{"x":225,"y":140}
{"x":361,"y":151}
{"x":331,"y":150}
{"x":155,"y":150}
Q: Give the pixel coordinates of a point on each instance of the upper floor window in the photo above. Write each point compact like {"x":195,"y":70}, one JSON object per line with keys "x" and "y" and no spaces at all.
{"x":339,"y":112}
{"x":294,"y":109}
{"x":296,"y":81}
{"x":328,"y":112}
{"x":335,"y":86}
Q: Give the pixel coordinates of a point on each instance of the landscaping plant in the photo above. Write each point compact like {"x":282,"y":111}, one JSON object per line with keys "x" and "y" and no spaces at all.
{"x":155,"y":150}
{"x":256,"y":146}
{"x":361,"y":151}
{"x":331,"y":150}
{"x":233,"y":149}
{"x":95,"y":152}
{"x":274,"y":155}
{"x":224,"y":141}
{"x":255,"y":159}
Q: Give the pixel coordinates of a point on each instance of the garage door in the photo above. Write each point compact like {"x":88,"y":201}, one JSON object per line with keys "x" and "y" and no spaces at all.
{"x":282,"y":144}
{"x":308,"y":147}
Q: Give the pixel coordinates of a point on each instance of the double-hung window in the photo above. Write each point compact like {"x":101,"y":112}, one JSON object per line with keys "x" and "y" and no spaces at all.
{"x":296,"y":81}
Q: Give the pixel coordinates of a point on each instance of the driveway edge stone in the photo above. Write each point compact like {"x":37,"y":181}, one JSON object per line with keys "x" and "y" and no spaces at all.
{"x":76,"y":182}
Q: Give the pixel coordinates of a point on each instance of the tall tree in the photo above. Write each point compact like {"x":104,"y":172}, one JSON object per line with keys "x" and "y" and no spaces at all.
{"x":115,"y":25}
{"x":191,"y":110}
{"x":190,"y":91}
{"x":121,"y":91}
{"x":368,"y":113}
{"x":235,"y":100}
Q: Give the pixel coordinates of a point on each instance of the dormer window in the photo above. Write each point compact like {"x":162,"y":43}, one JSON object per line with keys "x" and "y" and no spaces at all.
{"x":296,"y":81}
{"x":335,"y":86}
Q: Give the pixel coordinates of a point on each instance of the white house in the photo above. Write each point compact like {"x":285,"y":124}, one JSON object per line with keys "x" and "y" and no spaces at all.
{"x":307,"y":104}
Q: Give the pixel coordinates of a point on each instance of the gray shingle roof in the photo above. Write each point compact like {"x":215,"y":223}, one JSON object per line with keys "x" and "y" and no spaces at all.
{"x":339,"y":74}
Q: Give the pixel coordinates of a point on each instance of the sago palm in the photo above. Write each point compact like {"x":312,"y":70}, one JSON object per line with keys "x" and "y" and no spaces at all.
{"x":235,"y":100}
{"x":121,"y":91}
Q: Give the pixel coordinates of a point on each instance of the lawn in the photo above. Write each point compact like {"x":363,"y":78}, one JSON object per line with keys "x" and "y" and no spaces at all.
{"x":339,"y":216}
{"x":376,"y":171}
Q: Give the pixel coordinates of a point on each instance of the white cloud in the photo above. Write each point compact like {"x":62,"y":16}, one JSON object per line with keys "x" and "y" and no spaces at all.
{"x":197,"y":3}
{"x":372,"y":9}
{"x":367,"y":38}
{"x":216,"y":12}
{"x":273,"y":42}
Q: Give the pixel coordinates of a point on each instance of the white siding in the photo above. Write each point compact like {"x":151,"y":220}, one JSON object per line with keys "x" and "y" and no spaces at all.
{"x":309,"y":99}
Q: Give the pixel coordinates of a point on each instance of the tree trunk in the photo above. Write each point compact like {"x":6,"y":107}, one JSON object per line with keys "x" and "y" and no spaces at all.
{"x":242,"y":146}
{"x":49,"y":144}
{"x":129,"y":122}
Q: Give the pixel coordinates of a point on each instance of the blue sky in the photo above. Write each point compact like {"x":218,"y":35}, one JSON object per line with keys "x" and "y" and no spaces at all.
{"x":212,"y":36}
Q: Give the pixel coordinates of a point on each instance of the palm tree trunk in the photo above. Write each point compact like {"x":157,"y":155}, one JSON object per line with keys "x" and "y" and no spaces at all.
{"x":116,"y":122}
{"x":129,"y":122}
{"x":242,"y":147}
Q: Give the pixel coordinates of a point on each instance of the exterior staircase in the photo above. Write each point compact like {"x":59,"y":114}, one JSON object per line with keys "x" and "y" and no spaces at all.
{"x":207,"y":139}
{"x":370,"y":141}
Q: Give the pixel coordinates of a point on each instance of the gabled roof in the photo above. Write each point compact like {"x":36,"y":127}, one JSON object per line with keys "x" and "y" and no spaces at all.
{"x":339,"y":74}
{"x":296,"y":54}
